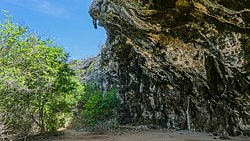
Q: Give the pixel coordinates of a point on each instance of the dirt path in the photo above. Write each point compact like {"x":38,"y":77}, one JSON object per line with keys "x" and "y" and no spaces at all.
{"x":145,"y":135}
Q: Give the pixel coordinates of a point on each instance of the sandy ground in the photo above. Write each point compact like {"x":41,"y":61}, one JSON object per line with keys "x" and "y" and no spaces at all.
{"x":143,"y":135}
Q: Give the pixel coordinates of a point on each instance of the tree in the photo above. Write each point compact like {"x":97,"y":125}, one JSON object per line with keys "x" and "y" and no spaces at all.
{"x":37,"y":87}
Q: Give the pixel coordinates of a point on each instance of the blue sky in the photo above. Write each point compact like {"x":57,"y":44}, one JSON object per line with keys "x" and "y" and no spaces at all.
{"x":67,"y":22}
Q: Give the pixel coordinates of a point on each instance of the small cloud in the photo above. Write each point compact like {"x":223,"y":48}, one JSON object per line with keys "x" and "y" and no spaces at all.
{"x":48,"y":8}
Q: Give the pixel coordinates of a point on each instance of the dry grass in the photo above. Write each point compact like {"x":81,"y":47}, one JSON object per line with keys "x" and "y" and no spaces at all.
{"x":5,"y":134}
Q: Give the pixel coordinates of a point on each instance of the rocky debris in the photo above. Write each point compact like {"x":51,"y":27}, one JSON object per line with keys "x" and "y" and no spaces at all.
{"x":181,"y":64}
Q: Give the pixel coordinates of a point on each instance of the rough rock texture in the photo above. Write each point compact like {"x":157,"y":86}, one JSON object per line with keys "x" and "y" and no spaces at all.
{"x":182,"y":64}
{"x":90,"y":70}
{"x":87,"y":70}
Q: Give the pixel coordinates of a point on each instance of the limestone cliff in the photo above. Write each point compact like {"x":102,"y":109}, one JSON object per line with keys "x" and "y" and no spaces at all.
{"x":180,"y":64}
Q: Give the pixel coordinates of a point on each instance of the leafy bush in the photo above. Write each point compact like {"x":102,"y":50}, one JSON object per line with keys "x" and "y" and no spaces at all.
{"x":98,"y":109}
{"x":37,"y":87}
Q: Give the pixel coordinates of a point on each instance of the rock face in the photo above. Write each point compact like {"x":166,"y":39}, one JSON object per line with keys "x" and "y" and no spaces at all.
{"x":90,"y":70}
{"x":87,"y":70}
{"x":182,"y":64}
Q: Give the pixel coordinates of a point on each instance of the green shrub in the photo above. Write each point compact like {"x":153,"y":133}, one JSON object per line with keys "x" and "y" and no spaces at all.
{"x":37,"y":87}
{"x":98,"y":109}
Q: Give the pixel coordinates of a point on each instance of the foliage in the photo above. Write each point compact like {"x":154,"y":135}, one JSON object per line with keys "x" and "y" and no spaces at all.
{"x":100,"y":107}
{"x":97,"y":107}
{"x":37,"y":87}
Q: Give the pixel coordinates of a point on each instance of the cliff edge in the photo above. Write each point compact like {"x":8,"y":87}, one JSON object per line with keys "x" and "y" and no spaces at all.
{"x":182,"y":64}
